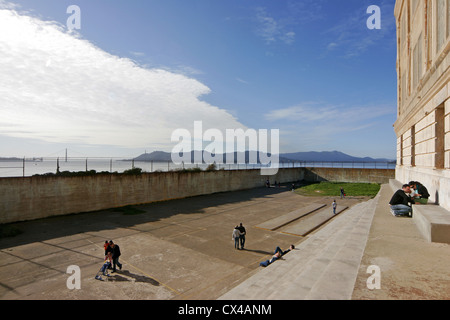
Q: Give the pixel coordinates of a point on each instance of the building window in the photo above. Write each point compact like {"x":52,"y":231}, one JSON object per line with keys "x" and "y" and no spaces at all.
{"x":441,"y":29}
{"x":448,"y":18}
{"x":414,"y":6}
{"x":417,"y":62}
{"x":403,"y":88}
{"x":440,"y":138}
{"x":429,"y":37}
{"x":403,"y":29}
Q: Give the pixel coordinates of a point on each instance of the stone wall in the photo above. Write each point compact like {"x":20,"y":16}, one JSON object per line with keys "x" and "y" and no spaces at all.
{"x":38,"y":197}
{"x":423,"y":107}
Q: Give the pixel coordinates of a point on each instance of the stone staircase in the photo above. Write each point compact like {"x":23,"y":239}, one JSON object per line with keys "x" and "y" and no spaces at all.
{"x":324,"y":266}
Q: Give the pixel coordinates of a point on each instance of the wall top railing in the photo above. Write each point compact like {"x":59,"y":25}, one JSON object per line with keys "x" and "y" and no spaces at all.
{"x":37,"y":166}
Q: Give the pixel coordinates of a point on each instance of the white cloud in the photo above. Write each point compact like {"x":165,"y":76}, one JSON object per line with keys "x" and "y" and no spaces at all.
{"x":314,"y":125}
{"x":242,"y":81}
{"x":352,"y":36}
{"x":268,"y":27}
{"x":57,"y":87}
{"x":272,"y":30}
{"x":314,"y":113}
{"x":137,"y":53}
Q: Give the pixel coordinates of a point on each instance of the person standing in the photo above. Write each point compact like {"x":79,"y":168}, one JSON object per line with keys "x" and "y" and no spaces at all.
{"x":242,"y":235}
{"x":334,"y":204}
{"x":106,"y":247}
{"x":108,"y":253}
{"x":342,"y":193}
{"x":115,"y":255}
{"x":235,"y":236}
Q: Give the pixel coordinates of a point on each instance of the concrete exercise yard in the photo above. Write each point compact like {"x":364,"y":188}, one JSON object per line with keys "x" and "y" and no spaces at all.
{"x":179,"y":249}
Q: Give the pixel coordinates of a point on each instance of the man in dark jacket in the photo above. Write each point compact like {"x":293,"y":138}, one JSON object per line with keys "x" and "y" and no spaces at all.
{"x":401,"y":202}
{"x":115,"y":255}
{"x":242,"y":236}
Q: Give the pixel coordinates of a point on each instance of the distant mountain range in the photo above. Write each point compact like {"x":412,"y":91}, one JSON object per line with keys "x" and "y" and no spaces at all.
{"x":312,"y":156}
{"x":328,"y":156}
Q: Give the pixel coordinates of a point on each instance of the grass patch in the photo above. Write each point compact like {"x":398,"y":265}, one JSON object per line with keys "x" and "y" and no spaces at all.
{"x":332,"y":189}
{"x":8,"y":230}
{"x":129,"y":210}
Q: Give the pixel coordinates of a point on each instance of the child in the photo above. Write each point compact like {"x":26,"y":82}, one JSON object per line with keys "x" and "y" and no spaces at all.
{"x":103,"y":269}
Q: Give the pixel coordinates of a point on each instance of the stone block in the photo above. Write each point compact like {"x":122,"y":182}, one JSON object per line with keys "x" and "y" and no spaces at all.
{"x":433,"y":222}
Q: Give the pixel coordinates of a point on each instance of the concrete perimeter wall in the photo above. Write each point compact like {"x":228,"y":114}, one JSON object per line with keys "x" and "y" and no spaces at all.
{"x":349,"y":175}
{"x":38,"y":197}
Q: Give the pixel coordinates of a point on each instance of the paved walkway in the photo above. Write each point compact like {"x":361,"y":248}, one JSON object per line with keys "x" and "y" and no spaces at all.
{"x":322,"y":267}
{"x":411,"y":267}
{"x":334,"y":262}
{"x":182,"y":249}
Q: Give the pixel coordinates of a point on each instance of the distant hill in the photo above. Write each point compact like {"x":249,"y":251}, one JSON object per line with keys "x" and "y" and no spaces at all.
{"x":161,"y":156}
{"x":329,"y":156}
{"x":155,"y":156}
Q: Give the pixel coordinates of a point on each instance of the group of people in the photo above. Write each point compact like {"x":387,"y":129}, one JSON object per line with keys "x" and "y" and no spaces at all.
{"x":412,"y":193}
{"x":112,"y":254}
{"x":238,"y":236}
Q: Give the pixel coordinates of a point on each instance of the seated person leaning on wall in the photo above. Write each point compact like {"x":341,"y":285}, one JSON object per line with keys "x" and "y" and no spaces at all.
{"x":421,"y":194}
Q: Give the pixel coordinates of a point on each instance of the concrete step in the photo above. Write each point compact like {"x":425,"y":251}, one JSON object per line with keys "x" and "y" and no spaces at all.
{"x":433,"y":222}
{"x":312,"y":222}
{"x":330,"y":254}
{"x":285,"y":219}
{"x":325,"y":277}
{"x":338,"y":279}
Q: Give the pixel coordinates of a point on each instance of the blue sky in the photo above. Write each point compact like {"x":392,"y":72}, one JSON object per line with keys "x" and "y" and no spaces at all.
{"x":137,"y":70}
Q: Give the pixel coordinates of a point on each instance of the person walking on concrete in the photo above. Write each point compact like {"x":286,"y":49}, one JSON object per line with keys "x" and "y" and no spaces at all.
{"x":108,"y":253}
{"x":236,"y":236}
{"x":115,"y":255}
{"x":334,"y":204}
{"x":242,"y":235}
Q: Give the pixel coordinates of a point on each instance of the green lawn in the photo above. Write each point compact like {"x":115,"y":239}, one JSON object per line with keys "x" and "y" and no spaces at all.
{"x":332,"y":189}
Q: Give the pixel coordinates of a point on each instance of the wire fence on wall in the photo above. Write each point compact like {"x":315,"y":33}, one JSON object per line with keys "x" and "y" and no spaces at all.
{"x":41,"y":166}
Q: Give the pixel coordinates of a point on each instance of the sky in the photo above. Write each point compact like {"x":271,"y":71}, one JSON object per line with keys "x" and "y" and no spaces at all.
{"x":136,"y":71}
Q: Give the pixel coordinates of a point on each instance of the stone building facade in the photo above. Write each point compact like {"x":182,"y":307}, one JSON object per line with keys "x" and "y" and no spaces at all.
{"x":423,"y":112}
